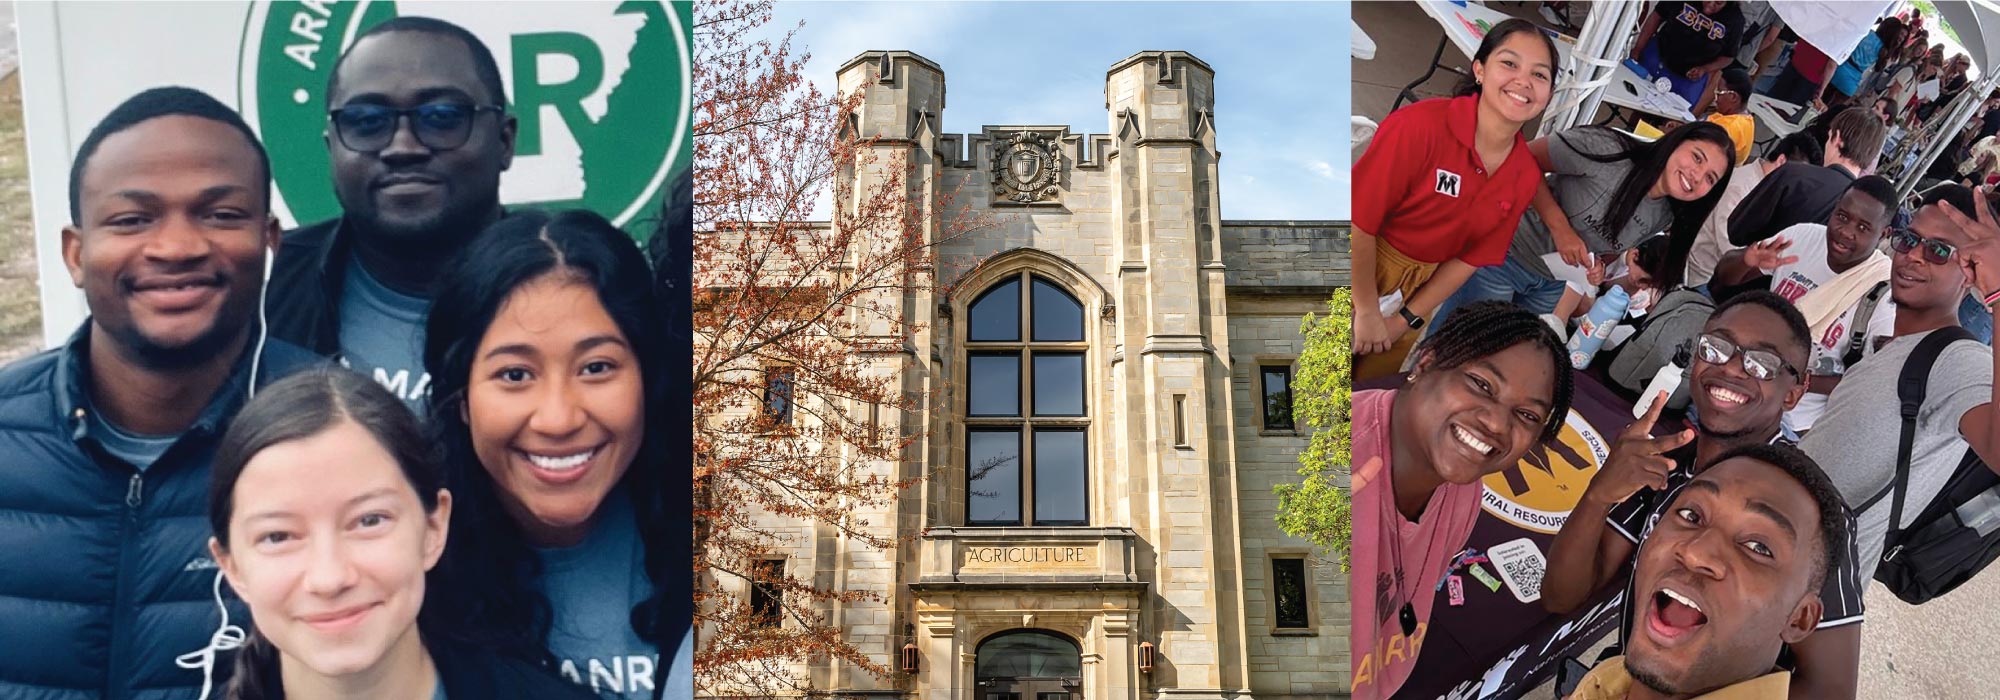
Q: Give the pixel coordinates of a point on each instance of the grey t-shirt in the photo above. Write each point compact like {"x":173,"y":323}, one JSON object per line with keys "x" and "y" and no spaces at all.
{"x":1584,"y":187}
{"x":1855,"y":441}
{"x":593,"y":588}
{"x":140,"y":451}
{"x":382,"y":336}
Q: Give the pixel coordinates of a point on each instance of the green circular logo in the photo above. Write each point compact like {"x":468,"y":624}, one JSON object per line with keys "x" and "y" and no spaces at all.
{"x":600,"y":89}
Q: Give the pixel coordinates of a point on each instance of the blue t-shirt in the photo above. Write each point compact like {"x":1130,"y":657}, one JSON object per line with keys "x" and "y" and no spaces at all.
{"x":382,"y":336}
{"x":1848,"y":78}
{"x":140,"y":451}
{"x":593,"y":587}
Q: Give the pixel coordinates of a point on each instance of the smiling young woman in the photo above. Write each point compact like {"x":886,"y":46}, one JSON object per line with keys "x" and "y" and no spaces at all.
{"x":549,"y":401}
{"x":330,"y":516}
{"x":1489,"y":385}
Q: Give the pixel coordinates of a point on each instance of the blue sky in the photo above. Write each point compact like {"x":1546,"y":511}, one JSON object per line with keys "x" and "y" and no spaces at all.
{"x":1281,"y":76}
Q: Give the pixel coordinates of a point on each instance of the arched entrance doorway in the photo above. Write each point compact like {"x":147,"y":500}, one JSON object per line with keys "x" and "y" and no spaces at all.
{"x":1029,"y":665}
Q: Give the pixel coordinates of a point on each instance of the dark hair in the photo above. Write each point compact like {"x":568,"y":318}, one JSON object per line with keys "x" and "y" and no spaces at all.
{"x":1650,"y":256}
{"x":1497,"y":36}
{"x":1738,"y":81}
{"x":1648,"y":161}
{"x":296,"y":408}
{"x":1799,"y":147}
{"x":1892,"y":32}
{"x":499,"y":600}
{"x":1890,"y":106}
{"x":1801,"y":332}
{"x":1879,"y":189}
{"x":1485,"y":328}
{"x":1833,"y":512}
{"x":483,"y":64}
{"x":147,"y":106}
{"x":1955,"y":195}
{"x":1861,"y":134}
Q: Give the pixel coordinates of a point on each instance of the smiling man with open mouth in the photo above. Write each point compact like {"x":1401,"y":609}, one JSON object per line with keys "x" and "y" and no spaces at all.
{"x":1727,"y":579}
{"x":1745,"y":377}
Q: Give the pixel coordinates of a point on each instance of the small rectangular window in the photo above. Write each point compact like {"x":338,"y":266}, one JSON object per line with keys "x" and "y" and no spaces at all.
{"x":1278,"y":397}
{"x":778,"y":388}
{"x":1288,"y":581}
{"x":766,"y":598}
{"x":1180,"y":420}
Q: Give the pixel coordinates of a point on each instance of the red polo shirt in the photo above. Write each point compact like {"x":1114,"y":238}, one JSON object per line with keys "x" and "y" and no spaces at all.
{"x":1423,"y":189}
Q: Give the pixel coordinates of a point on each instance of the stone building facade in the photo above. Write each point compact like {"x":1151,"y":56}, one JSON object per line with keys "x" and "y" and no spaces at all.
{"x":1111,"y":367}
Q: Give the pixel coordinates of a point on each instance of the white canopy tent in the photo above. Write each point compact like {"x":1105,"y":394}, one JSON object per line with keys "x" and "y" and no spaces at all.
{"x":1835,"y":27}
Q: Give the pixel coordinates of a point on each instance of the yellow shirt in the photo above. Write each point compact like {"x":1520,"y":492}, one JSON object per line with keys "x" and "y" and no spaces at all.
{"x":1742,"y":130}
{"x":1610,"y":681}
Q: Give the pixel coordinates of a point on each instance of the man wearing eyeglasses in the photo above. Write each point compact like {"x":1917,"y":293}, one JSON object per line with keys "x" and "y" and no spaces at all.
{"x":1838,"y":279}
{"x":1745,"y":373}
{"x":1858,"y":437}
{"x":418,"y":134}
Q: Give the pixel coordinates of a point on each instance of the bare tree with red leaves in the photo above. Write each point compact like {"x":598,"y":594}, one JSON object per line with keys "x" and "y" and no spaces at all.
{"x":809,"y":390}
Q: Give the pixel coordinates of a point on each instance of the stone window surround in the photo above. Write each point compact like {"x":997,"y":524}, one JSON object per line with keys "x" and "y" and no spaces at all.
{"x":1099,"y":320}
{"x":1257,"y":364}
{"x":750,"y":589}
{"x":1271,"y":555}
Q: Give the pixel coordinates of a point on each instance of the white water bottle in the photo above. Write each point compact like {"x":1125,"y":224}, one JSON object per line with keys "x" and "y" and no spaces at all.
{"x":1664,"y":383}
{"x":1596,"y":326}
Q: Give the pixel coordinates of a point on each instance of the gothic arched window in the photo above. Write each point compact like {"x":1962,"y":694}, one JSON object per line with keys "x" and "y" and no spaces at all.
{"x":1027,"y":457}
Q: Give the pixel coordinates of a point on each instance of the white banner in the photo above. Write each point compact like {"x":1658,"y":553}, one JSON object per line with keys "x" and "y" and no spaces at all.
{"x":1833,"y":27}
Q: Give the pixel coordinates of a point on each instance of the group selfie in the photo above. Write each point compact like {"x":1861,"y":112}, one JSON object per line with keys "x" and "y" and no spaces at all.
{"x":214,"y":488}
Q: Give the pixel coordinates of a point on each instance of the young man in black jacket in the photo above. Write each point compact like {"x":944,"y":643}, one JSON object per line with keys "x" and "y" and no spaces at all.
{"x":106,"y":442}
{"x":418,"y":134}
{"x":1802,"y":193}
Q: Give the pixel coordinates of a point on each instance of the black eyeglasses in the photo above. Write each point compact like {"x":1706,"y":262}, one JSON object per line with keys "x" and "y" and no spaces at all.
{"x":1762,"y":365}
{"x":439,"y":126}
{"x":1936,"y":252}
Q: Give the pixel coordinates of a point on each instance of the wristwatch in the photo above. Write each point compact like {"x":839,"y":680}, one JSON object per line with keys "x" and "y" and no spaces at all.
{"x":1414,"y":320}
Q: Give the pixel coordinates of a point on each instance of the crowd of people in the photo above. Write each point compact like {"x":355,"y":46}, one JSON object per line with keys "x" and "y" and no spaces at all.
{"x":1791,"y":284}
{"x":264,"y":467}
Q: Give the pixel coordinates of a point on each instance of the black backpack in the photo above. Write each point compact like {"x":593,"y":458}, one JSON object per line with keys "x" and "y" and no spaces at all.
{"x":1958,"y":534}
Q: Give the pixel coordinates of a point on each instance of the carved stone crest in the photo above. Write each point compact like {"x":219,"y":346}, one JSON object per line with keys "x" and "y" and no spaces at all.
{"x":1027,"y":167}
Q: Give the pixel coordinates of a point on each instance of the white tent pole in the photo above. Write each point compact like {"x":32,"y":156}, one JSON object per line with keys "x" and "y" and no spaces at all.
{"x":1958,"y":116}
{"x":1606,"y":36}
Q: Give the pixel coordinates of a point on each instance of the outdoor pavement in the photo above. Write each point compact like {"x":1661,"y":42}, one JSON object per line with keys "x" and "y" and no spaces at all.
{"x":1948,"y":649}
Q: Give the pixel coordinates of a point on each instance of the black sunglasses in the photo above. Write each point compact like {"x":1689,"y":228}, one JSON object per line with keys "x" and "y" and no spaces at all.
{"x":1761,"y":365}
{"x":439,"y":126}
{"x":1936,"y":252}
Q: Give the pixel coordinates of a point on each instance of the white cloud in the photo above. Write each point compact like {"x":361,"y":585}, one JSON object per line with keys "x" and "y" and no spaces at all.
{"x":1321,"y":168}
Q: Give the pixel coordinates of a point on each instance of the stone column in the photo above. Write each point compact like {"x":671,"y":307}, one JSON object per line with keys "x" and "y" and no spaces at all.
{"x":904,"y":97}
{"x":1170,"y":304}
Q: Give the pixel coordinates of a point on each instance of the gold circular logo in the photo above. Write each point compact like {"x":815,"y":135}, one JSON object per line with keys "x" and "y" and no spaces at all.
{"x":1538,"y":492}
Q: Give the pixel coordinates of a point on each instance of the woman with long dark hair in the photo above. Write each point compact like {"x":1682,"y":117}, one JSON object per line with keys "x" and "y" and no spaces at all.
{"x":330,"y":513}
{"x":549,"y":401}
{"x":1609,"y":191}
{"x":1439,"y":189}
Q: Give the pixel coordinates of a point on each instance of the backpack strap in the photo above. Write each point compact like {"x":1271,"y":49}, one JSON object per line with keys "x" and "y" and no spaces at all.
{"x":1910,"y":389}
{"x":1857,"y":336}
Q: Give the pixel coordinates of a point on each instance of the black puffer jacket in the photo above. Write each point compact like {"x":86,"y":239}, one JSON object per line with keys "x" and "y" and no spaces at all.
{"x":105,"y":575}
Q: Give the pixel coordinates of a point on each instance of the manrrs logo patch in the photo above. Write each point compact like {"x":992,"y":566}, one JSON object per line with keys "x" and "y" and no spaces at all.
{"x":1447,"y":183}
{"x":600,"y":89}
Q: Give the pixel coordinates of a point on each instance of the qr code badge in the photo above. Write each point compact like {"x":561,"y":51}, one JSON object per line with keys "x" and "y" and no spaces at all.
{"x":1521,"y":567}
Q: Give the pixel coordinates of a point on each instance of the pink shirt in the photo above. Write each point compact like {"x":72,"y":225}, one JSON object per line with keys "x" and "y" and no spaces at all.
{"x":1383,"y":655}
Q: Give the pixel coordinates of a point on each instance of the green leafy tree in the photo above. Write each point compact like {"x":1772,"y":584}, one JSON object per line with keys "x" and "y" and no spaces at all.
{"x":1317,"y":508}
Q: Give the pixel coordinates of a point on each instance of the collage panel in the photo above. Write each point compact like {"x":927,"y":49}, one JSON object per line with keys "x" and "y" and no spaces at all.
{"x":1672,"y":366}
{"x":334,"y":350}
{"x":1000,"y":364}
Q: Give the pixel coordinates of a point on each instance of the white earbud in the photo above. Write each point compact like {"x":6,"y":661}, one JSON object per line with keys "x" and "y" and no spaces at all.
{"x":226,"y":637}
{"x":263,"y":325}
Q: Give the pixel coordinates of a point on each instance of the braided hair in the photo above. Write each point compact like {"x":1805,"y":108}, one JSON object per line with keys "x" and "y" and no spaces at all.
{"x":1483,"y":329}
